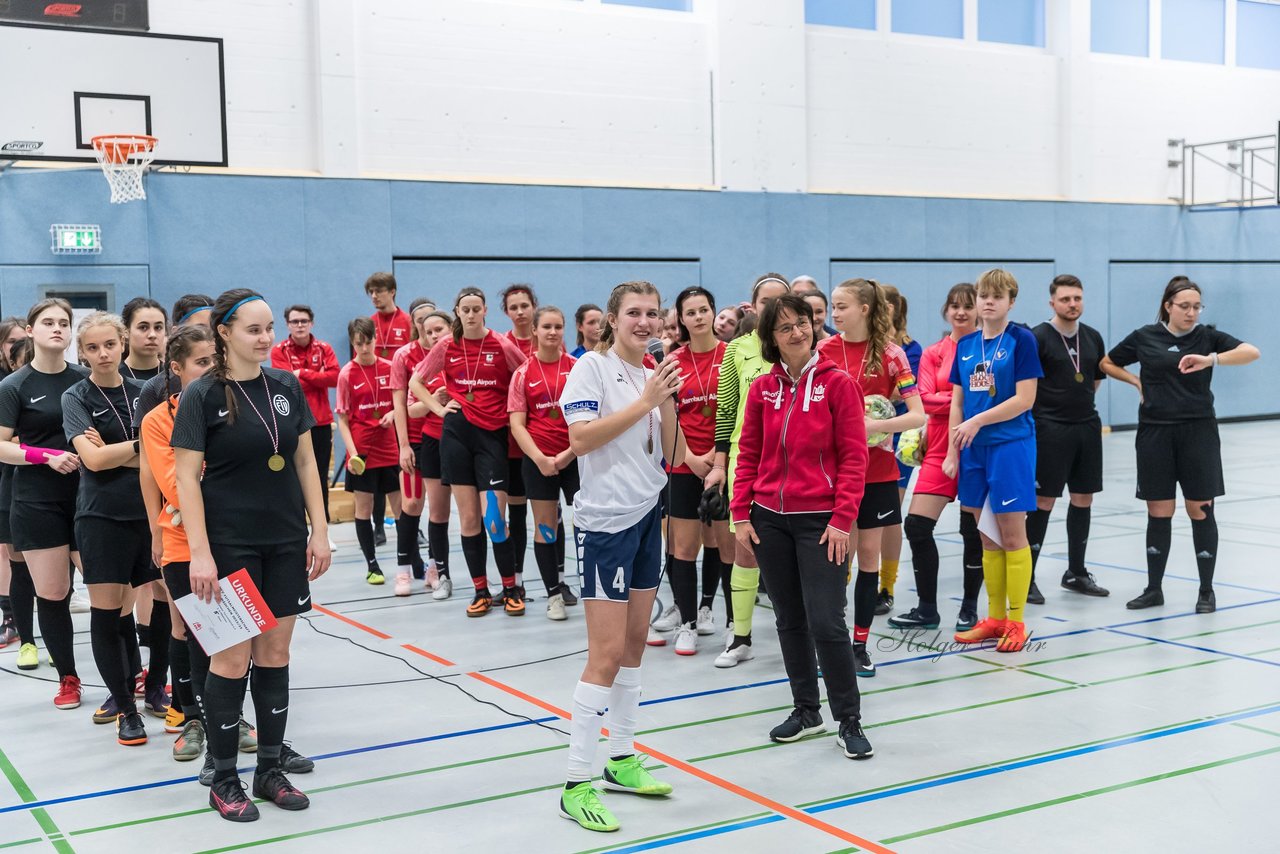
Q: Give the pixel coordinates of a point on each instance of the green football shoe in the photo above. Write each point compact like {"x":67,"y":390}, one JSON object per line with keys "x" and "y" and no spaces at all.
{"x":629,"y":775}
{"x":582,"y":804}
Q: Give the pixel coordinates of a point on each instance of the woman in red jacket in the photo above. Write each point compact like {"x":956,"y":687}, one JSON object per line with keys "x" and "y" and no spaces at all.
{"x":934,"y":490}
{"x":796,"y":506}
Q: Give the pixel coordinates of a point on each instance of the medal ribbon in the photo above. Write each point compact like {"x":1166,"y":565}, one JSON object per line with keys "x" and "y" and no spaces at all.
{"x":274,"y":430}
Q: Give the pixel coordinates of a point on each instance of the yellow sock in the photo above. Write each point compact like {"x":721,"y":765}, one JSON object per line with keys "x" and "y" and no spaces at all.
{"x":1018,"y":580}
{"x":888,"y":575}
{"x":743,"y":584}
{"x":993,"y":573}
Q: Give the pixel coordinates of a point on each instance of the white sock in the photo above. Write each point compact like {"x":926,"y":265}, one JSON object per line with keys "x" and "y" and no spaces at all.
{"x":624,"y":711}
{"x":561,"y":577}
{"x":589,"y":703}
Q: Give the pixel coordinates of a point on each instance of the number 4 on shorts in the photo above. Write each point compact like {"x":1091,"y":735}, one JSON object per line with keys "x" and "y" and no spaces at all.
{"x":619,"y":582}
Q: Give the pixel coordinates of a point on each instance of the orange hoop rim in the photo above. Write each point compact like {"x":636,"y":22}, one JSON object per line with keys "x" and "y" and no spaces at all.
{"x":119,"y":147}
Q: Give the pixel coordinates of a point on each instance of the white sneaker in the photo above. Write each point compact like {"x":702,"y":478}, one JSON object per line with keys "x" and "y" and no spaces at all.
{"x":445,"y":590}
{"x":404,"y":584}
{"x":669,"y":621}
{"x":555,"y":608}
{"x":706,"y":623}
{"x":733,"y":656}
{"x":80,"y":602}
{"x":433,"y":576}
{"x":655,"y":638}
{"x":687,"y":640}
{"x":333,"y":547}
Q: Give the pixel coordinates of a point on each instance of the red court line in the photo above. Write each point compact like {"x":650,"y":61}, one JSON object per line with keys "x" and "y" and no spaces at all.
{"x":673,"y":762}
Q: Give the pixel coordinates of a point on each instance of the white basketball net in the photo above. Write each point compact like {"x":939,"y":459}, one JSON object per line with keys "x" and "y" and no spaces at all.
{"x":124,"y":159}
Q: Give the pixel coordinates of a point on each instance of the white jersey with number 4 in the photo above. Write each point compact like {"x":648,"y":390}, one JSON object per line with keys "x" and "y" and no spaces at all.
{"x":621,"y":481}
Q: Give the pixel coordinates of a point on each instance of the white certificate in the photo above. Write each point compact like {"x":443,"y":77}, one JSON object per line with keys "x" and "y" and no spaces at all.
{"x":242,"y":614}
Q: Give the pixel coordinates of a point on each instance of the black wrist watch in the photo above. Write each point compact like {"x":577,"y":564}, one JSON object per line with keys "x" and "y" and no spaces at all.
{"x":135,"y":446}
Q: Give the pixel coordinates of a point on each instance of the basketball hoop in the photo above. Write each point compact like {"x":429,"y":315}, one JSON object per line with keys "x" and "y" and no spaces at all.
{"x":124,"y":158}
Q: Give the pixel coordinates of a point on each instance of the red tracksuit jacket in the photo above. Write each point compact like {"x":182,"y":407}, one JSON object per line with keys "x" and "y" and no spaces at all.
{"x":804,"y":445}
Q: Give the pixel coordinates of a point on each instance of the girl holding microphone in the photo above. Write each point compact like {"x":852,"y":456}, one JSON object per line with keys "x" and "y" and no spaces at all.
{"x":622,"y":424}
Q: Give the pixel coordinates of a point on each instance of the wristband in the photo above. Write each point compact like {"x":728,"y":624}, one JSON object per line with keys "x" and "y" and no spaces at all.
{"x":715,"y":466}
{"x":38,"y":456}
{"x":1215,"y":359}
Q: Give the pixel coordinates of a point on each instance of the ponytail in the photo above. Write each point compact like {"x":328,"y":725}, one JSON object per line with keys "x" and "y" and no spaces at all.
{"x":224,"y":315}
{"x":615,"y":305}
{"x":880,"y":330}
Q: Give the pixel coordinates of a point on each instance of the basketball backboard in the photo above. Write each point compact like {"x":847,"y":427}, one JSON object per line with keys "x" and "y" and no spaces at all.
{"x":67,"y":85}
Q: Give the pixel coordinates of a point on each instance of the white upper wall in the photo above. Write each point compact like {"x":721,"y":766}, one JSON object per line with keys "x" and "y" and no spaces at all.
{"x":579,"y":92}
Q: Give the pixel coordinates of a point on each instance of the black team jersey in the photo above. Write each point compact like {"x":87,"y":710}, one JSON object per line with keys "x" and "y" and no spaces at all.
{"x":31,"y":404}
{"x":112,"y":493}
{"x":245,"y":502}
{"x":1058,"y":396}
{"x":1168,"y":396}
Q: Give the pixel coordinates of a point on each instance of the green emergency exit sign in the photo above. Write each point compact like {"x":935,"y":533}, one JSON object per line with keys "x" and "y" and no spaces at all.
{"x":76,"y":239}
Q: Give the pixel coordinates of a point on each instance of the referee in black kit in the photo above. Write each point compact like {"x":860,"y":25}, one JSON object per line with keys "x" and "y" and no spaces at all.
{"x":1068,"y":431}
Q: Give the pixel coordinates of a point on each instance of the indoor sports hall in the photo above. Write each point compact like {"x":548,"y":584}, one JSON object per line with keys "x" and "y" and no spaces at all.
{"x":305,"y":150}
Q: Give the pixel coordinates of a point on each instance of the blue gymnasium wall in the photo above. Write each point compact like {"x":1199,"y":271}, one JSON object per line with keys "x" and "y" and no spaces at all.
{"x":316,"y":240}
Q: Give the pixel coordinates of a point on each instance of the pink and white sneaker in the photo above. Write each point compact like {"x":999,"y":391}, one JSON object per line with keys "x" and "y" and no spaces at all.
{"x":404,"y":584}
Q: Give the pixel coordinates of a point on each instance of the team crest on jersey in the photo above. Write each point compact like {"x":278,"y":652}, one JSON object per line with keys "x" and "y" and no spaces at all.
{"x":819,"y":391}
{"x":281,"y":403}
{"x":488,"y":358}
{"x":1000,"y":354}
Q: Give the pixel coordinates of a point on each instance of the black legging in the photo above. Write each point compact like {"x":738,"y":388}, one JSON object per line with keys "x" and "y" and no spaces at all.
{"x":322,"y":444}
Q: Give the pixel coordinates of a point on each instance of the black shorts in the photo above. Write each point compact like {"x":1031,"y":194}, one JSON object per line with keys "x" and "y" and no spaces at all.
{"x":686,"y":495}
{"x":43,"y":524}
{"x":515,"y":477}
{"x":383,"y":479}
{"x":429,"y":458}
{"x":539,"y":487}
{"x":279,"y":571}
{"x":6,"y":533}
{"x":115,"y":552}
{"x":470,"y":456}
{"x":1171,"y":455}
{"x":881,"y":506}
{"x":1068,"y":455}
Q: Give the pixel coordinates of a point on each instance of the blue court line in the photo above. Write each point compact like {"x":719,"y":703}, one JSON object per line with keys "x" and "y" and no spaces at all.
{"x":948,"y":780}
{"x":657,"y":701}
{"x":1197,"y":648}
{"x":1056,"y":619}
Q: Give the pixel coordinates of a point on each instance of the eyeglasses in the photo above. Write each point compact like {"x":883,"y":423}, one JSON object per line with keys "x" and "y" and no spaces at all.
{"x":299,"y":321}
{"x":1188,"y":306}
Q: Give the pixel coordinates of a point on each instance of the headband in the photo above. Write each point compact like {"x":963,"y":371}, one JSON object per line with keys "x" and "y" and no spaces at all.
{"x":193,"y":313}
{"x":227,"y":316}
{"x":773,"y":279}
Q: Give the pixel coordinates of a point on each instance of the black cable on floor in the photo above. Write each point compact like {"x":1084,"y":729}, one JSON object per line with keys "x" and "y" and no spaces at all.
{"x":443,"y":679}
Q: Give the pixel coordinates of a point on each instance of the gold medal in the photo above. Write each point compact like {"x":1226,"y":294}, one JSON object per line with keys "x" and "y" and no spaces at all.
{"x":649,"y":445}
{"x":471,"y":396}
{"x":991,"y":392}
{"x":1079,"y":377}
{"x":377,"y":413}
{"x":707,"y":410}
{"x":554,"y":414}
{"x":275,"y":462}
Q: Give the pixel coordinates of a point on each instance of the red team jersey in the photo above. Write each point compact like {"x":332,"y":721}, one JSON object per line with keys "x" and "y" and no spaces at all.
{"x":535,"y":389}
{"x":364,"y":396}
{"x":477,"y":375}
{"x":432,"y":424}
{"x":894,"y":375}
{"x":698,"y":398}
{"x":317,"y":367}
{"x":390,"y":332}
{"x":526,"y":345}
{"x":402,"y":364}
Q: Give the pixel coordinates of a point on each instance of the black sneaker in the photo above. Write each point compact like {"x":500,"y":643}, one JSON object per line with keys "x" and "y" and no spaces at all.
{"x":272,"y":785}
{"x":1206,"y":602}
{"x":228,"y":800}
{"x":569,"y":597}
{"x":1083,"y":584}
{"x":915,"y":619}
{"x":130,"y":730}
{"x":1147,"y":599}
{"x":206,"y":772}
{"x":801,"y":723}
{"x":862,"y":665}
{"x":1034,"y":596}
{"x":293,"y":762}
{"x":884,"y":602}
{"x":967,"y":618}
{"x":853,"y":741}
{"x":380,"y":536}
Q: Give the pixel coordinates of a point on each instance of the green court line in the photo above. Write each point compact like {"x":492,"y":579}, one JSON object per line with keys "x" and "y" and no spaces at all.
{"x":370,"y":821}
{"x":1105,"y":790}
{"x":39,"y":814}
{"x":1161,"y":670}
{"x":694,"y":829}
{"x":1073,"y":683}
{"x":1223,"y":631}
{"x":19,"y":842}
{"x":1257,"y":728}
{"x":1040,"y":661}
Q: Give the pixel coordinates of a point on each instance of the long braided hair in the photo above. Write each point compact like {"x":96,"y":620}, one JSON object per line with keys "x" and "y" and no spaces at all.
{"x":221,"y":308}
{"x":880,"y":329}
